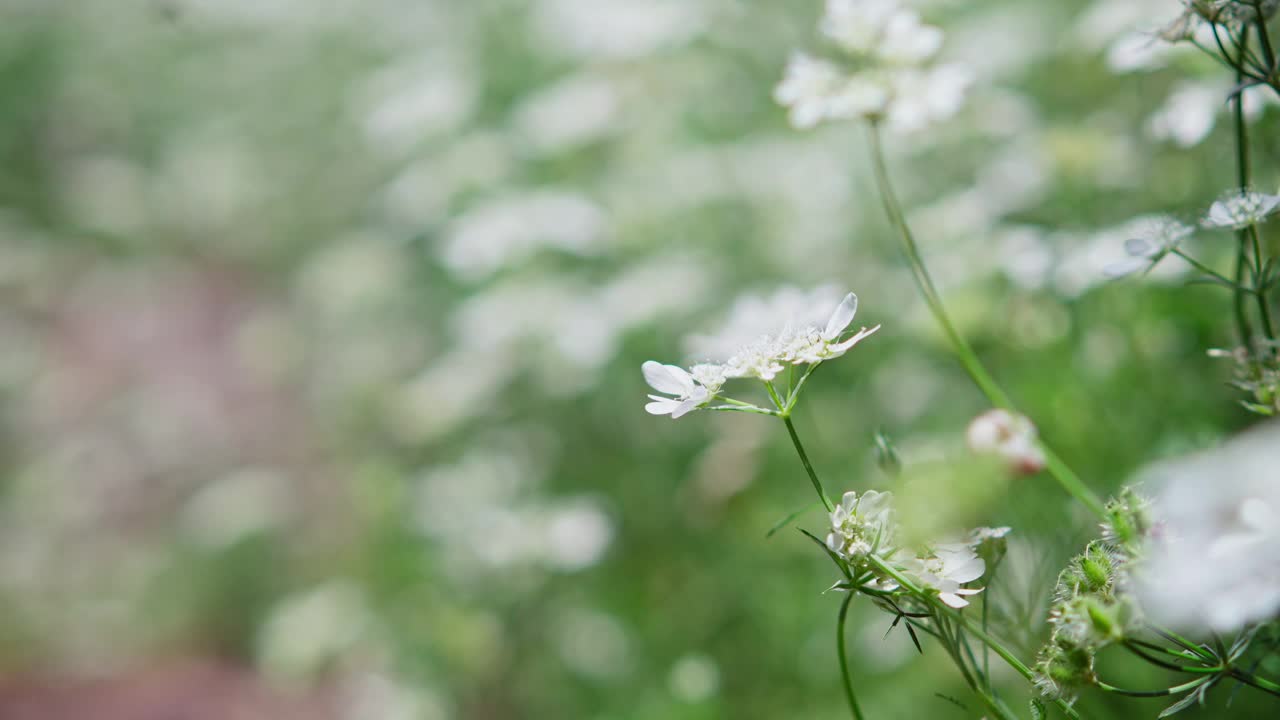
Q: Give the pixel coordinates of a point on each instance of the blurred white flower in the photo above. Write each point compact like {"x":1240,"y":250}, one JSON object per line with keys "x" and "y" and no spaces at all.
{"x":1190,"y":112}
{"x":686,"y":394}
{"x":694,"y":678}
{"x":1008,"y":435}
{"x":890,"y":47}
{"x":1211,"y":562}
{"x":907,"y":41}
{"x":923,"y":97}
{"x":1154,"y":237}
{"x":236,"y":506}
{"x":816,"y":90}
{"x":574,"y":111}
{"x":1240,"y":209}
{"x":312,"y":628}
{"x":858,"y":25}
{"x":861,"y":524}
{"x":577,"y":534}
{"x":510,"y":229}
{"x":616,"y":28}
{"x":946,"y":570}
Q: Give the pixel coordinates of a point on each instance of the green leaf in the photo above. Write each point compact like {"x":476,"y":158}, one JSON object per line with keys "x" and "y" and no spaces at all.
{"x":834,"y":557}
{"x":789,"y":518}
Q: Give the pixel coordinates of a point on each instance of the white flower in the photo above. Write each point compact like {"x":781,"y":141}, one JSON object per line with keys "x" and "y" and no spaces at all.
{"x":808,"y":88}
{"x":1008,"y":435}
{"x":921,"y":97}
{"x":688,"y":394}
{"x":1155,"y":237}
{"x":861,"y":525}
{"x":709,"y":375}
{"x":946,"y":570}
{"x":770,"y":354}
{"x":907,"y":41}
{"x":977,"y":536}
{"x":890,"y":48}
{"x":858,"y":25}
{"x":1241,"y":209}
{"x":1210,"y":562}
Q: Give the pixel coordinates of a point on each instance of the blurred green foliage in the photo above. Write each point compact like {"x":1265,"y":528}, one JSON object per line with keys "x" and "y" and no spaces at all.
{"x":302,"y":366}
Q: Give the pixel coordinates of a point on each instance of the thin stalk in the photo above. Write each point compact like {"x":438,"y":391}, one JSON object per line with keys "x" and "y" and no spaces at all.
{"x":1247,"y":236}
{"x":1264,"y":39}
{"x":959,"y":619}
{"x":1175,"y":690}
{"x":741,"y":408}
{"x":1210,"y":271}
{"x":1262,"y":684}
{"x":804,"y":460}
{"x":794,"y":395}
{"x":844,"y":660}
{"x":967,"y":357}
{"x":1264,"y":308}
{"x":1136,"y":650}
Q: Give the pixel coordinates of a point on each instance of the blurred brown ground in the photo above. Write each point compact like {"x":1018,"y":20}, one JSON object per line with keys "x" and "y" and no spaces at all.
{"x":179,"y":690}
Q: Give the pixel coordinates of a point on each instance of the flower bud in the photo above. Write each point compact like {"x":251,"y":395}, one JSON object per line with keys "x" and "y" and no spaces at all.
{"x":1010,"y":436}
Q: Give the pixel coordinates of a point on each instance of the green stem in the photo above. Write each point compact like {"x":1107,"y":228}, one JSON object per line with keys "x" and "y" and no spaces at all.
{"x":1264,"y":308}
{"x":1260,"y":683}
{"x":1243,"y":235}
{"x":844,"y":660}
{"x":1264,"y":39}
{"x":804,"y":460}
{"x":1209,"y":271}
{"x":968,"y":358}
{"x":1158,"y":662}
{"x":1175,"y":690}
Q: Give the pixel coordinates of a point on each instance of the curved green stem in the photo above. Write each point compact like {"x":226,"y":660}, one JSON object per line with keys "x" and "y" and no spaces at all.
{"x":804,"y":460}
{"x":967,"y":357}
{"x":1260,"y":683}
{"x":844,"y":660}
{"x":1175,"y":690}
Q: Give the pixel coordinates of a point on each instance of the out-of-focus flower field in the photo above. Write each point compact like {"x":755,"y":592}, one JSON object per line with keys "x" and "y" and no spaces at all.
{"x":321,"y":324}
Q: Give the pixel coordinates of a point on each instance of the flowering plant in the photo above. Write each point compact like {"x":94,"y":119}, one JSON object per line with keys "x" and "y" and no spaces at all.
{"x":1127,"y":589}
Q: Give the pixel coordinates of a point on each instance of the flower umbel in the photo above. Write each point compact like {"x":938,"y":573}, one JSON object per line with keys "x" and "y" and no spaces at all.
{"x":883,"y":74}
{"x":946,"y":570}
{"x":861,"y":524}
{"x":1240,"y":209}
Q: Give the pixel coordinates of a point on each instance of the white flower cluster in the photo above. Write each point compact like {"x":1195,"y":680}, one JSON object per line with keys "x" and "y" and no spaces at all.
{"x":1157,"y":237}
{"x":863,"y":525}
{"x":1197,"y":13}
{"x":684,"y":391}
{"x":1240,"y":209}
{"x":1214,"y":563}
{"x":885,"y":72}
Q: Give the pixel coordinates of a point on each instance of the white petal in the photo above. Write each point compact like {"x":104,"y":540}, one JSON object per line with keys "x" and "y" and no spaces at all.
{"x":953,"y":600}
{"x":698,"y":398}
{"x":849,"y":501}
{"x":1125,"y":267}
{"x":841,"y":318}
{"x":1219,"y":216}
{"x":859,"y":337}
{"x":661,"y":407}
{"x":667,"y":379}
